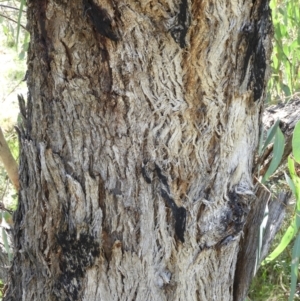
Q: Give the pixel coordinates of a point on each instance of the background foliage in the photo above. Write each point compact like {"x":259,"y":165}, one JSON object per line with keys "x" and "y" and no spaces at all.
{"x":12,"y":73}
{"x":285,"y":79}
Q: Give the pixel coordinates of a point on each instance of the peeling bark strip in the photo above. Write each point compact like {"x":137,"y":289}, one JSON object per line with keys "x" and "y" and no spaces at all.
{"x":127,"y":146}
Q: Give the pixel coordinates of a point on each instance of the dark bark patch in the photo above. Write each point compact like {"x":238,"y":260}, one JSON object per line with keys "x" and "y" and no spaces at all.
{"x":77,"y":255}
{"x":163,"y":179}
{"x":145,"y":174}
{"x":101,"y":19}
{"x":233,"y":219}
{"x":180,"y":29}
{"x":180,"y":221}
{"x":179,"y":214}
{"x":238,"y":213}
{"x":42,"y":34}
{"x":253,"y":34}
{"x":256,"y":53}
{"x":106,"y":76}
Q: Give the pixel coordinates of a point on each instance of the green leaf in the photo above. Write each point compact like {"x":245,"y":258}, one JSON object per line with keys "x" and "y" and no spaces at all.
{"x":294,"y":46}
{"x":294,"y":267}
{"x":278,"y":149}
{"x":296,"y":142}
{"x":290,"y":183}
{"x":271,"y":133}
{"x":286,"y":50}
{"x":286,"y":90}
{"x":296,"y":180}
{"x":277,"y":31}
{"x":291,"y":166}
{"x":281,"y":11}
{"x":275,"y":60}
{"x":286,"y":239}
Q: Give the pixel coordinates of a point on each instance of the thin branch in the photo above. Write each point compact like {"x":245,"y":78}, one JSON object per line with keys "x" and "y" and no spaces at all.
{"x":10,"y":19}
{"x":2,"y":207}
{"x":9,"y":162}
{"x":14,"y":88}
{"x":11,"y":7}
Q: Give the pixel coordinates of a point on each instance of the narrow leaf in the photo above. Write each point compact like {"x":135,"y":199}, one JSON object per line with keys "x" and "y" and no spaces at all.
{"x":291,"y":166}
{"x":278,"y":149}
{"x":294,"y":267}
{"x":271,"y":134}
{"x":286,"y":239}
{"x":296,"y":142}
{"x":296,"y":180}
{"x":290,"y":183}
{"x":286,"y":90}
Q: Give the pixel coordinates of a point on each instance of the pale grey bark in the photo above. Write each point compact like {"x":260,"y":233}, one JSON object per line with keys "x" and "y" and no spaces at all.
{"x":137,"y":148}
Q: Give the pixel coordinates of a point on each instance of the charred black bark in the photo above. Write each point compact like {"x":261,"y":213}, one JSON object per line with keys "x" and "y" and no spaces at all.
{"x":179,"y":214}
{"x":254,"y":34}
{"x":77,"y":254}
{"x":180,"y":29}
{"x":101,"y":20}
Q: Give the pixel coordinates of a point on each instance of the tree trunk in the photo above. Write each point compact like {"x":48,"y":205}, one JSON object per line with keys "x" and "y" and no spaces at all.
{"x":137,"y":147}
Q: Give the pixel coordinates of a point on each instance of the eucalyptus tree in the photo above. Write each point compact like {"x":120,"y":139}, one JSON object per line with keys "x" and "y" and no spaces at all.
{"x":137,"y":147}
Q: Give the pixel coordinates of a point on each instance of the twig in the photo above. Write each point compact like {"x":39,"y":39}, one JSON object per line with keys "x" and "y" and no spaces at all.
{"x":10,"y":19}
{"x":11,"y":7}
{"x":268,"y":190}
{"x":9,"y":162}
{"x":14,"y":88}
{"x":2,"y":207}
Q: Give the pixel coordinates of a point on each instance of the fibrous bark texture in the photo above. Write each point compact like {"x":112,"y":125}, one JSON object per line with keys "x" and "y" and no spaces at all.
{"x":137,"y":147}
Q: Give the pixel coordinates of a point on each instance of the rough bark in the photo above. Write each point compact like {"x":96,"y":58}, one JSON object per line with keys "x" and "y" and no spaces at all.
{"x":137,"y":148}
